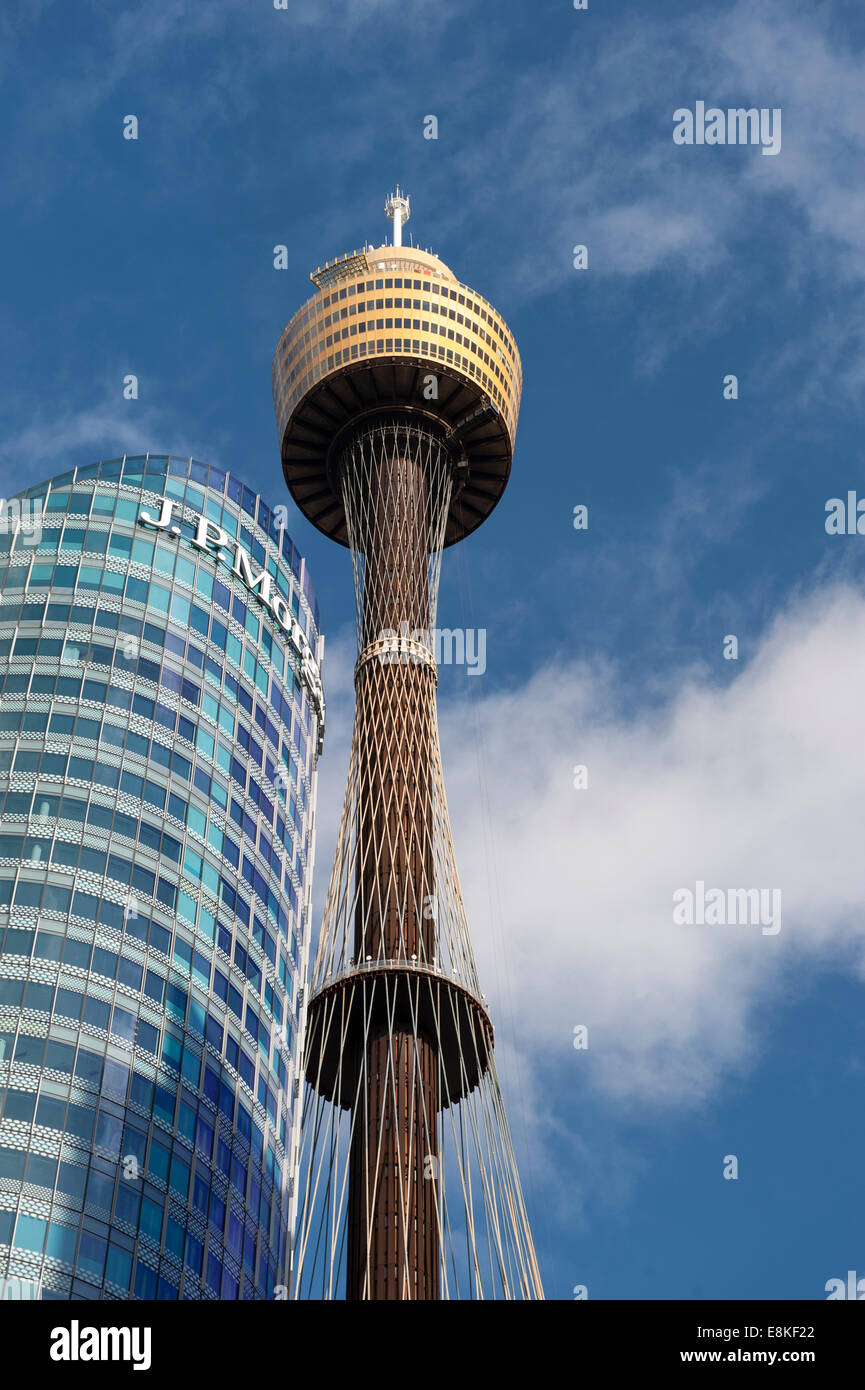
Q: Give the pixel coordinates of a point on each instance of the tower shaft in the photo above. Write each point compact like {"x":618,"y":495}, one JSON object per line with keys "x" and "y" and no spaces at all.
{"x":392,"y":1238}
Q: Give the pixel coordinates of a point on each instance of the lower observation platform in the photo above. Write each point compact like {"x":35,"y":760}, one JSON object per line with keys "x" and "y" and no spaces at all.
{"x":395,"y":996}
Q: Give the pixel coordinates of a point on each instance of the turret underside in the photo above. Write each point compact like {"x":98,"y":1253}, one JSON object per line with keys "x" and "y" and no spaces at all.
{"x":332,"y":410}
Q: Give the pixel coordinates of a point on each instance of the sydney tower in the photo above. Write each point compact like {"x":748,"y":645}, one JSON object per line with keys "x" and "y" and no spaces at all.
{"x":397,"y":391}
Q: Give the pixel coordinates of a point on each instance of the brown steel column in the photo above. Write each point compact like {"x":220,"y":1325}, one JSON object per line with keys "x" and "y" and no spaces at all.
{"x":392,"y":1238}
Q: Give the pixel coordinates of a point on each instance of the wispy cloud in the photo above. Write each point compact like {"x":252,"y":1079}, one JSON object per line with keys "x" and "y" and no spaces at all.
{"x":583,"y":153}
{"x":580,"y":151}
{"x":54,"y":439}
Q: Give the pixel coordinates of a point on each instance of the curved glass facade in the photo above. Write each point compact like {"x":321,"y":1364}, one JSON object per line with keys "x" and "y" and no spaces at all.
{"x":159,"y":729}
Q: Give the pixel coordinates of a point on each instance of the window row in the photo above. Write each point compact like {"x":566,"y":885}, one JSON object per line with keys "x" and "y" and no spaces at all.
{"x":375,"y":347}
{"x":160,"y":601}
{"x":106,"y":775}
{"x":278,"y":881}
{"x":41,"y":805}
{"x":123,"y":1021}
{"x":107,"y":1263}
{"x":59,"y":899}
{"x":63,"y":723}
{"x":103,"y":1191}
{"x":51,"y":946}
{"x":288,"y":708}
{"x":373,"y":306}
{"x":462,"y":296}
{"x":180,"y":1003}
{"x":174,"y":1107}
{"x":257,"y":829}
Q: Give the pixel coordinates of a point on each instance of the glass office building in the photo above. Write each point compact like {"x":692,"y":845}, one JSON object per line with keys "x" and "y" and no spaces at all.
{"x":160,"y":723}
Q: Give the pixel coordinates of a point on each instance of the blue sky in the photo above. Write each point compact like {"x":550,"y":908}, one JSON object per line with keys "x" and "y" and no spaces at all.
{"x":604,"y":647}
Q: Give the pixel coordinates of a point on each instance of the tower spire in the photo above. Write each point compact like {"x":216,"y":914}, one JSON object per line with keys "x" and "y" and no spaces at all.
{"x":398,"y":210}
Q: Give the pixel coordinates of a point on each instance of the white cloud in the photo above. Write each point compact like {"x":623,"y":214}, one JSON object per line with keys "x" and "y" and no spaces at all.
{"x":757,"y":782}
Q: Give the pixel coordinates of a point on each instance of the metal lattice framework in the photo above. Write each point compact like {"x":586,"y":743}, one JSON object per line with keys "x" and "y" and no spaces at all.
{"x":410,"y":1183}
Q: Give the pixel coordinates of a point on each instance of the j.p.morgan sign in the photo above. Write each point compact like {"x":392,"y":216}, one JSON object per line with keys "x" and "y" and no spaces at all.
{"x":213,"y":539}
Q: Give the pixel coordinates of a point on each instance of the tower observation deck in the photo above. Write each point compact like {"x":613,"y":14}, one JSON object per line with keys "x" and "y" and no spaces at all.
{"x":381,"y":323}
{"x":397,"y":391}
